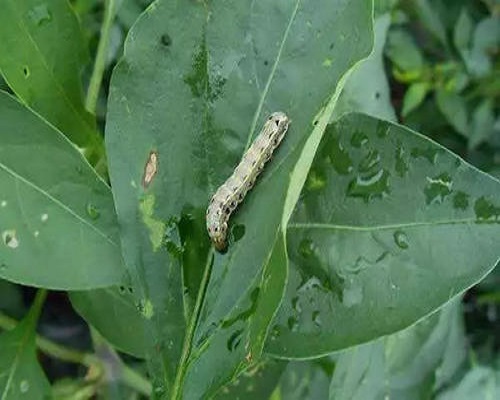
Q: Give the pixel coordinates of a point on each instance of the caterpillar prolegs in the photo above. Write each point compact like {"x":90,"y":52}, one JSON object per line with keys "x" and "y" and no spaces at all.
{"x":233,"y":191}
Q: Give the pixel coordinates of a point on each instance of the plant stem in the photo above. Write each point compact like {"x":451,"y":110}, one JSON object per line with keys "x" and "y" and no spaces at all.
{"x":188,"y":340}
{"x":129,"y":376}
{"x":100,"y":60}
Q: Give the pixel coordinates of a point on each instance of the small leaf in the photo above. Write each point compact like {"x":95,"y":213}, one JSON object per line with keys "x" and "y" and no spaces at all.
{"x":21,"y":377}
{"x":462,"y":34}
{"x":403,"y":51}
{"x":453,"y":107}
{"x":414,"y":96}
{"x":483,"y":122}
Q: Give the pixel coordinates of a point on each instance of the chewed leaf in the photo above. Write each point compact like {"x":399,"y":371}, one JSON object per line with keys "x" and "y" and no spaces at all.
{"x":389,"y":227}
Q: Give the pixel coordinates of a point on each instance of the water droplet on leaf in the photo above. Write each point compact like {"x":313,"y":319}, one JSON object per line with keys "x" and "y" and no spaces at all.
{"x":401,"y":240}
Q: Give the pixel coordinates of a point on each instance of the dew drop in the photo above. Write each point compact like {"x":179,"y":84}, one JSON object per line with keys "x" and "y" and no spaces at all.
{"x":359,"y":139}
{"x":44,"y":217}
{"x":486,"y":210}
{"x":401,"y":240}
{"x":438,"y":188}
{"x":430,"y":154}
{"x":371,"y":160}
{"x":10,"y":239}
{"x":293,"y":324}
{"x":369,"y":187}
{"x":36,"y":233}
{"x":234,"y":340}
{"x":316,"y":318}
{"x":339,"y":157}
{"x":3,"y":203}
{"x":40,"y":14}
{"x":401,"y":165}
{"x":296,"y":304}
{"x":92,"y":211}
{"x":460,"y":200}
{"x":352,"y":295}
{"x":306,"y":248}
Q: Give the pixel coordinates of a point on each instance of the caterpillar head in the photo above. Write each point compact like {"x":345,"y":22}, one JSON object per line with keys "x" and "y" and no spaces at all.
{"x":218,"y":232}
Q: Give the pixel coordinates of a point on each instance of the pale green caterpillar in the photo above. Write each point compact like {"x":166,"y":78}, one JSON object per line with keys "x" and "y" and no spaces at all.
{"x":233,"y":191}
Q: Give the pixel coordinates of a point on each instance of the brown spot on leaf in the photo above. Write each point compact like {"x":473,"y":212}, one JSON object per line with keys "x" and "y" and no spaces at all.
{"x":150,"y":169}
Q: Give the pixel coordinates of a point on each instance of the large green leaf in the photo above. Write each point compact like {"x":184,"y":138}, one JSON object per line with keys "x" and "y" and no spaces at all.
{"x":21,"y":377}
{"x":57,"y":222}
{"x":189,"y":101}
{"x":390,"y":226}
{"x":407,"y":365}
{"x":42,"y":53}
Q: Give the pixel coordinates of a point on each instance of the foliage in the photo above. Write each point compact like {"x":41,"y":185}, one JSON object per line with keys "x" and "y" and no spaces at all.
{"x":347,"y":262}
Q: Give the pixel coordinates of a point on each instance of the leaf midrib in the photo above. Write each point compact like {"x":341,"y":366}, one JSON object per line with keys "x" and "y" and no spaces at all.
{"x":326,"y":226}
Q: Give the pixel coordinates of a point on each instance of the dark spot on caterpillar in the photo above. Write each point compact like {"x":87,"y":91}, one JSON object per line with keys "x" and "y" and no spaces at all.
{"x":315,"y":123}
{"x":166,"y":40}
{"x":221,"y":204}
{"x":254,"y":161}
{"x":228,"y":210}
{"x":277,"y":123}
{"x":240,"y":196}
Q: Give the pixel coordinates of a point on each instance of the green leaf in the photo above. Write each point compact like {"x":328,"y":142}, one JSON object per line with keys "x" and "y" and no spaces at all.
{"x":462,"y":34}
{"x":405,"y":365}
{"x":481,"y":382}
{"x":115,"y":314}
{"x":390,"y":226}
{"x":305,"y":380}
{"x":58,"y":227}
{"x":403,"y":51}
{"x":414,"y":96}
{"x":486,"y":39}
{"x":185,"y":103}
{"x":483,"y":122}
{"x":367,"y":90}
{"x":42,"y":53}
{"x":20,"y":374}
{"x":427,"y":11}
{"x":452,"y":106}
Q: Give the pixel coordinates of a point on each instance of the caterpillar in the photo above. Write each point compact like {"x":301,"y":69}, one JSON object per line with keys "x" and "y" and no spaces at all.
{"x":233,"y":191}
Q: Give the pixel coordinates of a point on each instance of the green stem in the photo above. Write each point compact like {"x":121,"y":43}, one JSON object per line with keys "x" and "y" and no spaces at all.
{"x":100,"y":61}
{"x":129,"y":376}
{"x":188,"y":341}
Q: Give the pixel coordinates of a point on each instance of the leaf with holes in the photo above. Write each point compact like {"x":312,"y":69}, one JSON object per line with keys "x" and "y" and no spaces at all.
{"x":389,"y":227}
{"x":184,"y":105}
{"x":57,"y":222}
